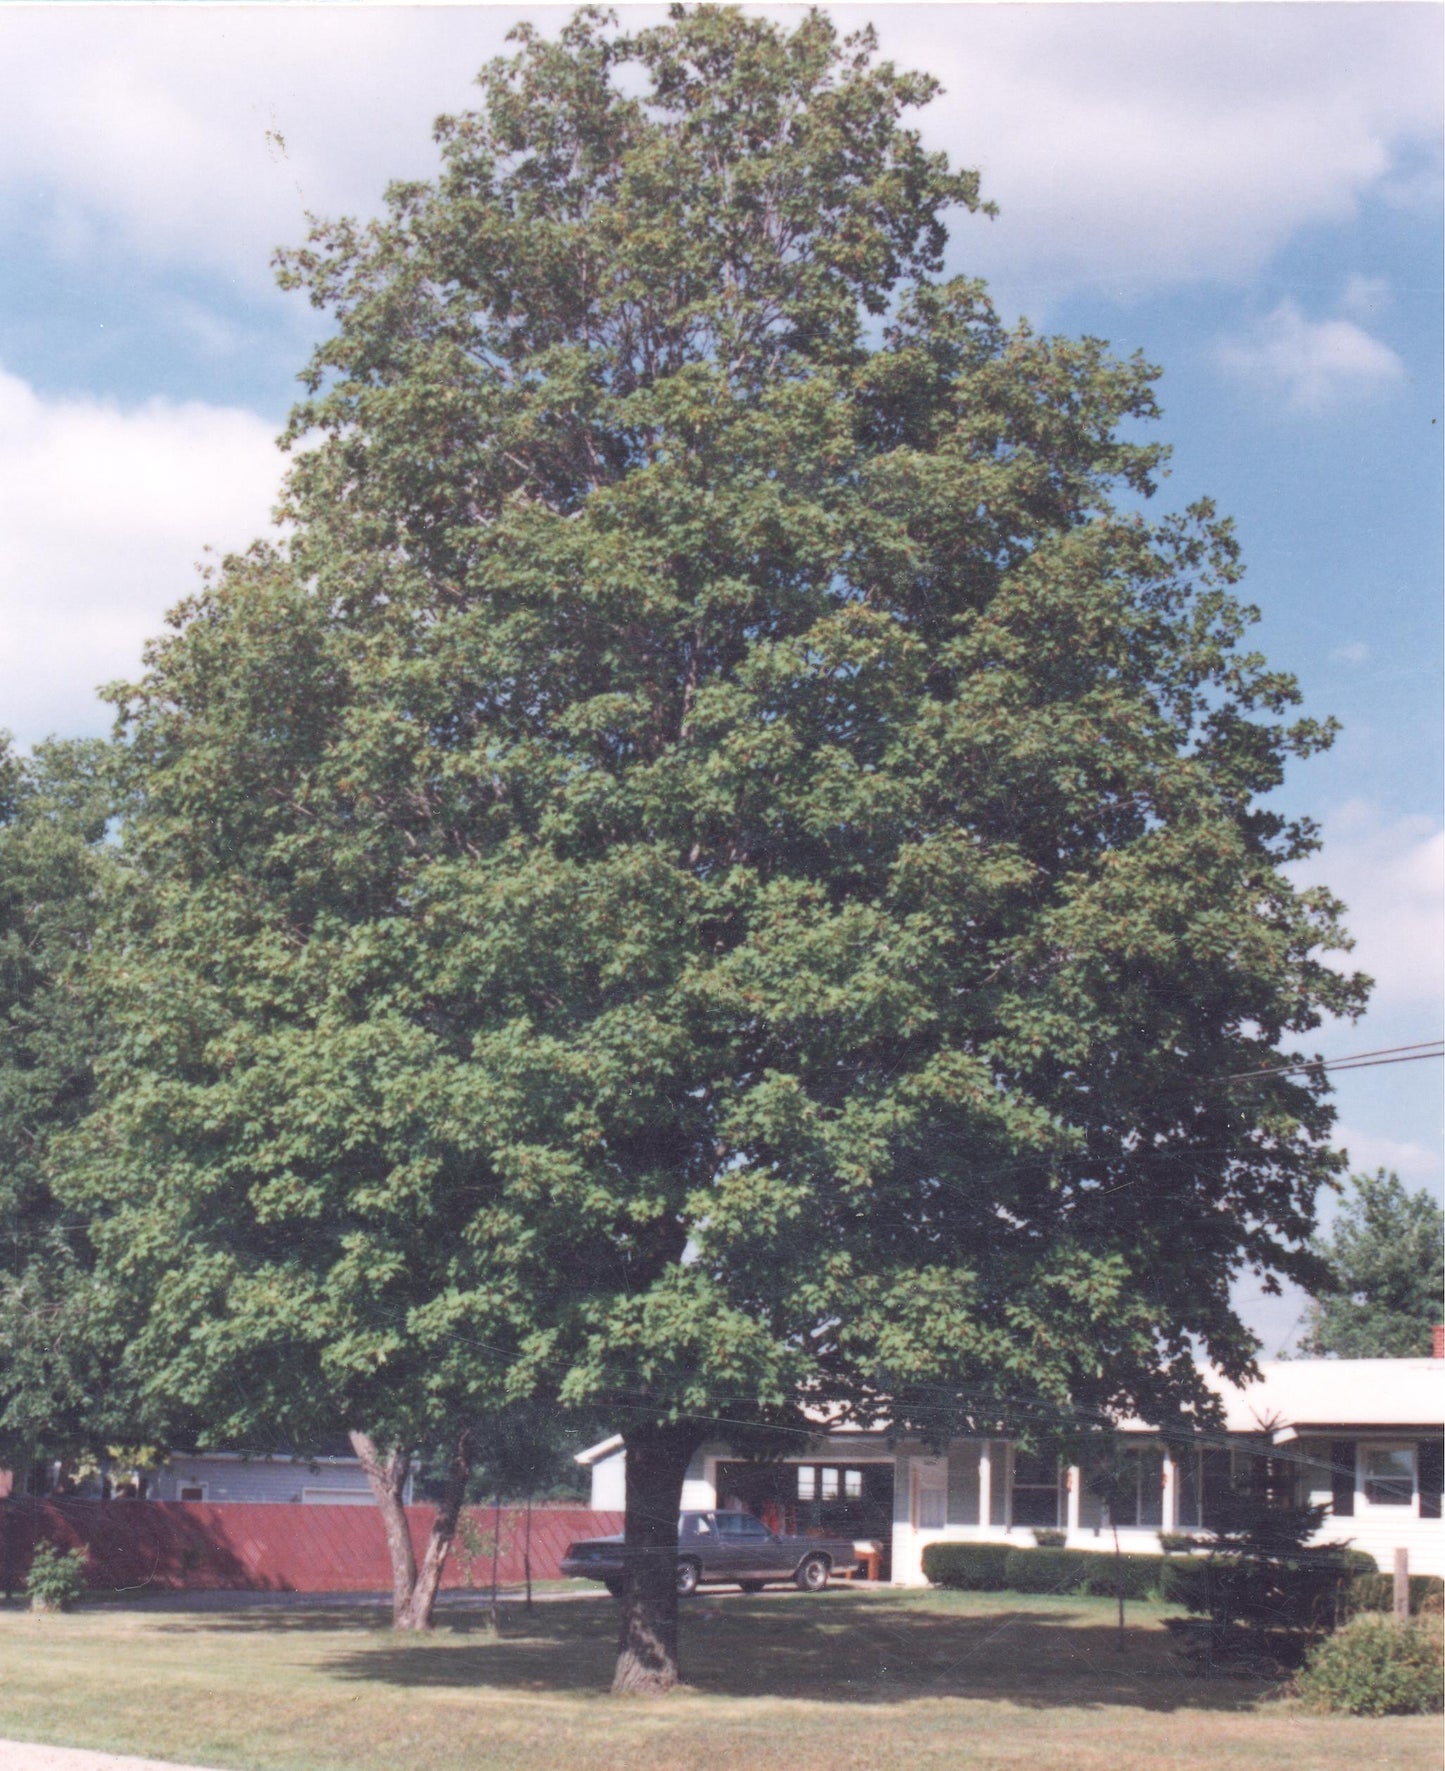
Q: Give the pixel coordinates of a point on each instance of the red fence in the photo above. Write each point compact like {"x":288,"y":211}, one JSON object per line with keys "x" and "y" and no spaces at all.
{"x":176,"y":1545}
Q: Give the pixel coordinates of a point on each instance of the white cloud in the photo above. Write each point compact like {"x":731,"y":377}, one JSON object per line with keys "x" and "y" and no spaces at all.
{"x":1135,"y":147}
{"x":105,"y":512}
{"x":1416,"y":1164}
{"x":1363,"y":296}
{"x":1390,"y":873}
{"x":1312,"y":364}
{"x":1356,"y":652}
{"x":1130,"y":146}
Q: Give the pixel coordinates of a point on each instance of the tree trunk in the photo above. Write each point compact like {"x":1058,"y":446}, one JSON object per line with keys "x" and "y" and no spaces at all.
{"x":386,"y":1477}
{"x":657,"y":1460}
{"x":443,"y":1532}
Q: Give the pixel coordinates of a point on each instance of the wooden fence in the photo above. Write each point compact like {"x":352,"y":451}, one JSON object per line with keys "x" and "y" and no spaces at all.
{"x":137,"y":1545}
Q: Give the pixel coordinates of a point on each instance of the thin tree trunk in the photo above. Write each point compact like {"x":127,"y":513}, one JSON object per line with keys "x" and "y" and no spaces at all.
{"x":657,"y":1460}
{"x":443,"y":1532}
{"x":527,"y":1553}
{"x":386,"y":1477}
{"x":496,"y":1556}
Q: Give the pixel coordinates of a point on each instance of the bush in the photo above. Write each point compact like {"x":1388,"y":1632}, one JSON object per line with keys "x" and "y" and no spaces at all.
{"x":1049,"y":1537}
{"x":1374,"y":1667}
{"x":1376,"y":1592}
{"x":999,"y":1567}
{"x":971,"y":1567}
{"x":56,"y":1578}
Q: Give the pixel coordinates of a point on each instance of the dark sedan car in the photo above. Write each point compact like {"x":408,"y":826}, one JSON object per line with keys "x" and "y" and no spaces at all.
{"x":731,"y":1547}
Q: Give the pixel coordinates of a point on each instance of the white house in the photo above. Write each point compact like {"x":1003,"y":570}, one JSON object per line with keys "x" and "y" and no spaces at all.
{"x":1363,"y":1436}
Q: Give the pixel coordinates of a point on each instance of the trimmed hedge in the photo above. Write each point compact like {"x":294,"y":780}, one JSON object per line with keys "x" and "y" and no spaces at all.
{"x":1376,"y":1592}
{"x":969,"y":1567}
{"x":1000,"y":1567}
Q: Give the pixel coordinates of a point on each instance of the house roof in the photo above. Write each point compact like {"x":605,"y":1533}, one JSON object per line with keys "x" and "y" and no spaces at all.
{"x":1292,"y":1397}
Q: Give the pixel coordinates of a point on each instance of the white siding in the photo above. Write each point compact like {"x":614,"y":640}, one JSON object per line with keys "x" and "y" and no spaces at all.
{"x":609,"y":1483}
{"x":260,"y":1479}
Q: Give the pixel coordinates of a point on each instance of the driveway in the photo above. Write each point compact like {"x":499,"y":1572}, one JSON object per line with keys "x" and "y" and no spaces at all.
{"x":15,"y":1755}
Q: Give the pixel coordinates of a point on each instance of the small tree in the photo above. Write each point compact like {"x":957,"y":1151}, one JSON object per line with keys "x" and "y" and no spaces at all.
{"x":1385,"y":1256}
{"x":1262,"y":1582}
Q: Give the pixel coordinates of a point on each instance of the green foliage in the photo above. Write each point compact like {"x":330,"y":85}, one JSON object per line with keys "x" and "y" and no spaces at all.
{"x":972,"y":1567}
{"x":722,"y":862}
{"x":1386,"y":1254}
{"x":60,"y":1348}
{"x":1374,"y":1666}
{"x":993,"y":1568}
{"x":1260,"y":1575}
{"x":56,"y":1579}
{"x":1376,"y":1592}
{"x":1050,"y":1538}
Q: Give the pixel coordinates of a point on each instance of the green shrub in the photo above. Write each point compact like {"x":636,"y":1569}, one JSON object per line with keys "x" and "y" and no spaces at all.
{"x":56,"y":1578}
{"x":1375,"y":1667}
{"x":999,"y":1567}
{"x":1043,"y":1571}
{"x":972,"y":1567}
{"x":1049,"y":1537}
{"x":1376,"y":1592}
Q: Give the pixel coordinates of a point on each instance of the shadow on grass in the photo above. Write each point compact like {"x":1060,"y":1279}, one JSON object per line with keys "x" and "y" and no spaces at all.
{"x":841,"y":1649}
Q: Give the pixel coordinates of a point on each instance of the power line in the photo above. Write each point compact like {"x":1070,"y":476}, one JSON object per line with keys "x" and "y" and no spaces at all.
{"x":1389,"y":1054}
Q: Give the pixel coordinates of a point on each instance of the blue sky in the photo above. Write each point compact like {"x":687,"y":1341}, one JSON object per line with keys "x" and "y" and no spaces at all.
{"x":1251,"y":195}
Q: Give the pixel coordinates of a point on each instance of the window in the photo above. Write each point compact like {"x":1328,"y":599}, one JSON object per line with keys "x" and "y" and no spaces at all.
{"x":1389,"y":1474}
{"x":740,"y":1525}
{"x":807,"y":1482}
{"x":853,"y":1484}
{"x":192,"y":1491}
{"x":1035,"y":1488}
{"x":830,"y":1484}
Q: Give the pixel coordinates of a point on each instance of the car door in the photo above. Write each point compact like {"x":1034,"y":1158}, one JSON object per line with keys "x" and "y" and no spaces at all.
{"x":747,"y":1547}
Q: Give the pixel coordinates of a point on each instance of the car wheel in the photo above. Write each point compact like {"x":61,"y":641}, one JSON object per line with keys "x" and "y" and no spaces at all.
{"x":688,"y":1575}
{"x":812,"y":1575}
{"x":614,"y":1587}
{"x":751,"y":1586}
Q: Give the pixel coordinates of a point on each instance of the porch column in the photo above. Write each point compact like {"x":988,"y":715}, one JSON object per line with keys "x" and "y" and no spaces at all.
{"x":1071,"y":1498}
{"x":985,"y":1484}
{"x":1170,"y":1513}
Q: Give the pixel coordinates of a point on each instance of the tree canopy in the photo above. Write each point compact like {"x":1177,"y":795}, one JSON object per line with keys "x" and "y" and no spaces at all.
{"x":721,"y":863}
{"x":60,"y":1392}
{"x":1386,"y":1255}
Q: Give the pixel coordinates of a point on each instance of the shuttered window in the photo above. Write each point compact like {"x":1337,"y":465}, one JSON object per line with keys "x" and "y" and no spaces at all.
{"x":1431,"y":1453}
{"x":1342,"y":1474}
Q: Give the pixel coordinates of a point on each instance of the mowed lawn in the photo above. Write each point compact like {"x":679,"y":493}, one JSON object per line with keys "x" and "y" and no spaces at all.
{"x":842,"y":1679}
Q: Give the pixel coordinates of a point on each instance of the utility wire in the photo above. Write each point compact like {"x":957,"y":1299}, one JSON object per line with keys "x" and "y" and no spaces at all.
{"x":1389,"y":1054}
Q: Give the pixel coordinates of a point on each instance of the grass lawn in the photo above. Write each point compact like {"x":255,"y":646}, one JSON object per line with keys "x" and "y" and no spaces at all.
{"x":838,"y":1680}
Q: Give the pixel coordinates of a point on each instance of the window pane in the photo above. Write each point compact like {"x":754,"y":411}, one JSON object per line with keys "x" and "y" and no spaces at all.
{"x":830,"y":1485}
{"x":1186,"y":1466}
{"x":1035,"y":1469}
{"x":1151,"y":1488}
{"x":1389,"y":1475}
{"x":807,"y":1481}
{"x":852,"y":1483}
{"x":1036,"y":1506}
